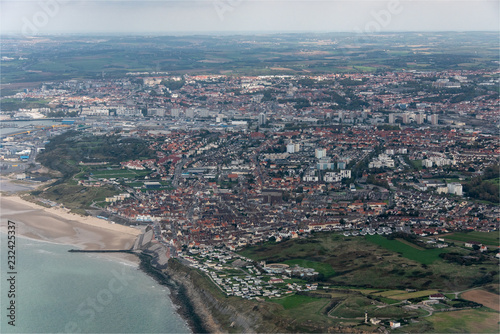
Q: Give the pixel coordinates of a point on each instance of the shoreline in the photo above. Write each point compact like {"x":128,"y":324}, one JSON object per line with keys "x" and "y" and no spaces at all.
{"x":56,"y":225}
{"x":185,"y":306}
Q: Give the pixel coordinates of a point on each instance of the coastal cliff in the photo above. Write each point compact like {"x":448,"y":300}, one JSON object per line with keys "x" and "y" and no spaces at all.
{"x":207,"y":309}
{"x":219,"y":313}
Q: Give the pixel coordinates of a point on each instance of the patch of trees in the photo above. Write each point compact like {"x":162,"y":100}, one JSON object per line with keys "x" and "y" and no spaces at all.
{"x":311,"y":83}
{"x":267,"y":96}
{"x":482,"y":187}
{"x":300,"y":102}
{"x":335,"y":97}
{"x":437,"y":98}
{"x":372,"y":179}
{"x":64,"y":152}
{"x":461,"y":303}
{"x":307,"y":82}
{"x":417,"y":299}
{"x":350,"y":82}
{"x":332,"y":304}
{"x":460,"y":259}
{"x":172,"y":84}
{"x":485,"y":279}
{"x":348,"y":102}
{"x":467,"y":94}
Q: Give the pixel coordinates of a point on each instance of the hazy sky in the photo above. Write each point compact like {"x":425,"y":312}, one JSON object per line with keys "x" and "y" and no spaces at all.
{"x":169,"y":16}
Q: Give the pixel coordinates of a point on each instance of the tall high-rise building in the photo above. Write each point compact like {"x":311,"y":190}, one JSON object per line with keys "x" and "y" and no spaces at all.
{"x":455,"y":188}
{"x":391,"y":118}
{"x":292,"y":148}
{"x":262,"y":119}
{"x":406,"y":118}
{"x":175,"y":112}
{"x":190,"y":113}
{"x":434,"y":119}
{"x":203,"y":112}
{"x":156,"y":112}
{"x":320,"y":153}
{"x":419,"y":118}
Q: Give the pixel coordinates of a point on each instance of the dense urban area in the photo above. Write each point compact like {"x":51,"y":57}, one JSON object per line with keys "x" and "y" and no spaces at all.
{"x":221,"y":168}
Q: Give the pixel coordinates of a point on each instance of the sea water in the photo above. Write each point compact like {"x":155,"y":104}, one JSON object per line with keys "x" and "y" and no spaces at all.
{"x":61,"y":292}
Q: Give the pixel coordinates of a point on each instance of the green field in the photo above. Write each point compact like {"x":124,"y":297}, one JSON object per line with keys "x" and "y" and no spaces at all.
{"x":294,"y":301}
{"x":322,"y":268}
{"x":409,"y":295}
{"x":360,"y":263}
{"x":116,"y":173}
{"x":135,"y":184}
{"x":490,"y":239}
{"x":426,"y":256}
{"x":69,"y":58}
{"x":27,"y":103}
{"x":373,"y":278}
{"x":390,"y":293}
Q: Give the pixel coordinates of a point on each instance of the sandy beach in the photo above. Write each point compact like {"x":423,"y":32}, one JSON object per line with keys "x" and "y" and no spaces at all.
{"x":59,"y":226}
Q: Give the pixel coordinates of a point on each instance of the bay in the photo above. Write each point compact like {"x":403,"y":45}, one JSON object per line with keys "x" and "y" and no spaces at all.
{"x":61,"y":292}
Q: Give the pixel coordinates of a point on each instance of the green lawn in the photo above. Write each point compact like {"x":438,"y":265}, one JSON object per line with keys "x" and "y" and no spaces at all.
{"x":135,"y":184}
{"x":426,"y":256}
{"x":417,"y":164}
{"x":294,"y":301}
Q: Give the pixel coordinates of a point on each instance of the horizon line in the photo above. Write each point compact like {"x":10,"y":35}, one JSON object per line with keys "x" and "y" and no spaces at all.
{"x":242,"y":32}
